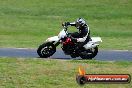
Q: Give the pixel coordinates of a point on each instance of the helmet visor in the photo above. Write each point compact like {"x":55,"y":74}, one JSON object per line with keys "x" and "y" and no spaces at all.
{"x":78,"y":24}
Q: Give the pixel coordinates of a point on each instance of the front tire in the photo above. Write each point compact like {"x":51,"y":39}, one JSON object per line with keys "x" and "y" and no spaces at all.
{"x":89,"y":54}
{"x":46,"y":50}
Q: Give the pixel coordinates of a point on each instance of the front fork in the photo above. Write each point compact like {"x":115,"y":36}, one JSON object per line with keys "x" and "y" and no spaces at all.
{"x":55,"y":43}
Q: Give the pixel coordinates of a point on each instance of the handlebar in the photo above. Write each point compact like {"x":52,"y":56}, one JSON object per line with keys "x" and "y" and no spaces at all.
{"x":65,"y":27}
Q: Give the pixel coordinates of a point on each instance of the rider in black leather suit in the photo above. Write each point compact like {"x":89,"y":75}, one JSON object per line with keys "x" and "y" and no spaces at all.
{"x":83,"y":35}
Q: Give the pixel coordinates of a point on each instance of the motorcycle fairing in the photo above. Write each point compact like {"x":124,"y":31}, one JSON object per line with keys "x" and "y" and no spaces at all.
{"x":53,"y":39}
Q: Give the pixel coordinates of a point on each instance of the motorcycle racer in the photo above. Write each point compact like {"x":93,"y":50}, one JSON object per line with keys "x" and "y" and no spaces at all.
{"x":83,"y":34}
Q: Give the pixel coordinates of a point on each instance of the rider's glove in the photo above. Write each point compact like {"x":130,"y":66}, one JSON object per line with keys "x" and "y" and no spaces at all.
{"x":66,"y":24}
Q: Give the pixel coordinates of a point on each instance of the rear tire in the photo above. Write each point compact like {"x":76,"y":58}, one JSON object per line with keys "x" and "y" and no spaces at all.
{"x":46,"y":50}
{"x":89,"y":54}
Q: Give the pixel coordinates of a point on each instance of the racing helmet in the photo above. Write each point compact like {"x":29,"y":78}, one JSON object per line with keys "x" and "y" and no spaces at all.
{"x":80,"y":22}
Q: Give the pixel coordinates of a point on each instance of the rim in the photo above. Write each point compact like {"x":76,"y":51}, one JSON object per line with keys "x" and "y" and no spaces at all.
{"x":48,"y":50}
{"x":89,"y":52}
{"x":92,"y":50}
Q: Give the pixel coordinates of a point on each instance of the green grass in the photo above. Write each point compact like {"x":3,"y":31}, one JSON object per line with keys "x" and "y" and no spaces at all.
{"x":27,"y":23}
{"x":40,"y":73}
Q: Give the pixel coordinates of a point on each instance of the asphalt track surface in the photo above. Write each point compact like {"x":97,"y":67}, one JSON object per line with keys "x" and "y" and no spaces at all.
{"x":103,"y":55}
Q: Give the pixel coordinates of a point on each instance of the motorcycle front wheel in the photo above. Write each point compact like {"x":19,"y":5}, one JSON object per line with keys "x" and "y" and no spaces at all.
{"x":90,"y":53}
{"x":46,"y":50}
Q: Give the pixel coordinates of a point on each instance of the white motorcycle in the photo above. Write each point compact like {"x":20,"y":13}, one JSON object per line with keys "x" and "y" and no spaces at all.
{"x":88,"y":51}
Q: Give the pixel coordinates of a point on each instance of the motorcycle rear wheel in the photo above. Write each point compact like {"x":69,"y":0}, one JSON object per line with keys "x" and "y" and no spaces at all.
{"x":89,"y":54}
{"x":46,"y":50}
